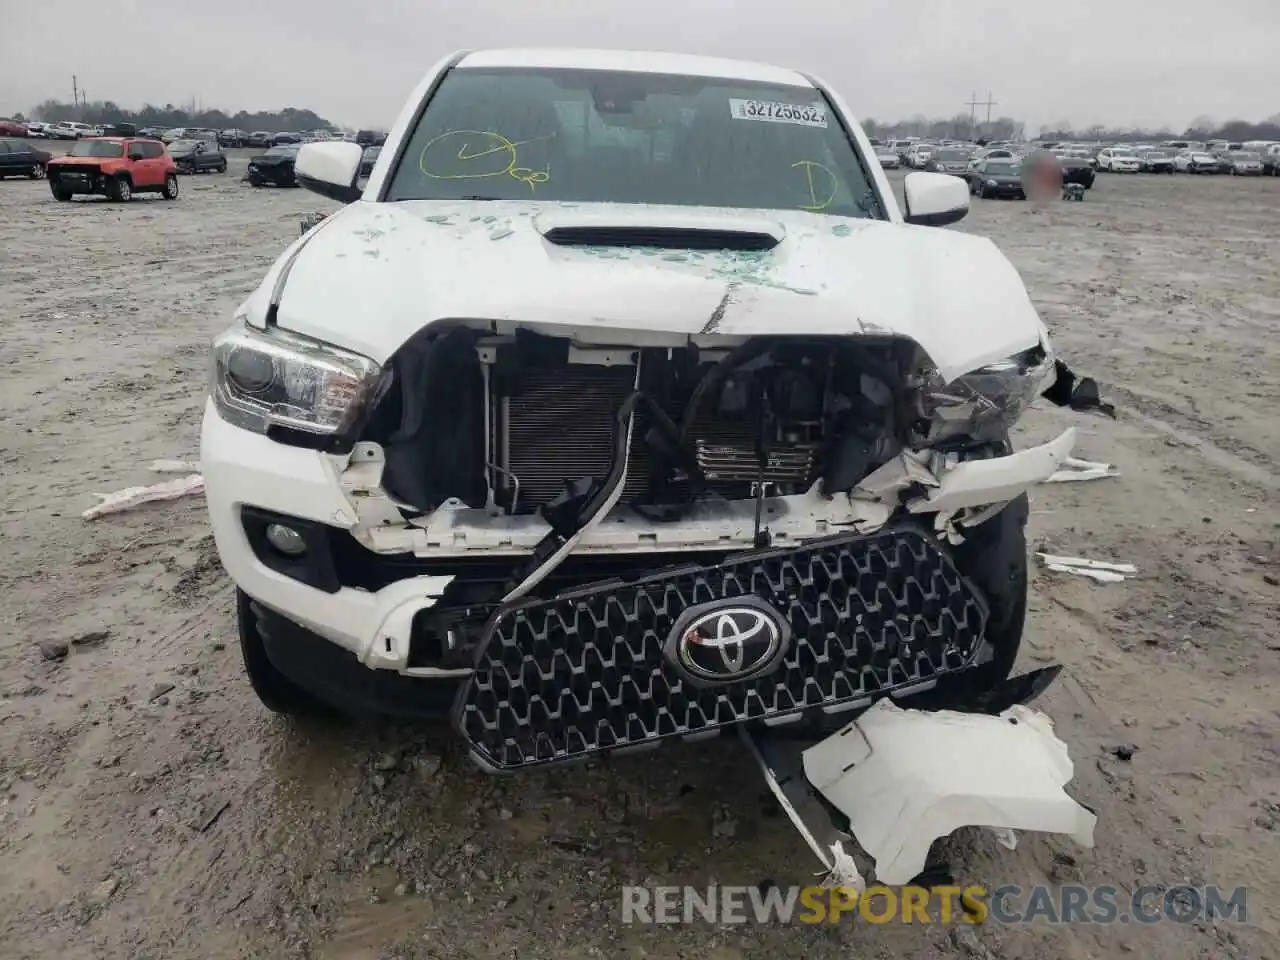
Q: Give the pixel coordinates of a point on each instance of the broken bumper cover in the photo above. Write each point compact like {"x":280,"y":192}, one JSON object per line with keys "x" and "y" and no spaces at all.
{"x":594,"y":670}
{"x":896,"y":780}
{"x":905,"y":778}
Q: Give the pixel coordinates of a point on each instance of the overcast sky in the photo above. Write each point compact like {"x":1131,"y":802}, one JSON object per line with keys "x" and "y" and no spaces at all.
{"x":1119,"y":62}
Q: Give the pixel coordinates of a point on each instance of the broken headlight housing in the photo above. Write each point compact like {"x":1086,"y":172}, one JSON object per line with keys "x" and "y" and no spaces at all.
{"x":272,"y":378}
{"x":982,"y":405}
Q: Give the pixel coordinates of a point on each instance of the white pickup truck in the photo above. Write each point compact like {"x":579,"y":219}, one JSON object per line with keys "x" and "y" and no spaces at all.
{"x":623,"y":404}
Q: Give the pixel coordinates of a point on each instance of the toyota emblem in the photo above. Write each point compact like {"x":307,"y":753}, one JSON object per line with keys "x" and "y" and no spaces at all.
{"x":727,"y":641}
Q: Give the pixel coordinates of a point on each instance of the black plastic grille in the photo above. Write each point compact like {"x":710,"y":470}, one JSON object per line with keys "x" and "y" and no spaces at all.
{"x":585,"y":672}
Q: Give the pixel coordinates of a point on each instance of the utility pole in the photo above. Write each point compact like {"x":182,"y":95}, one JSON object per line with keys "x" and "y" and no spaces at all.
{"x":75,"y":91}
{"x":973,"y":102}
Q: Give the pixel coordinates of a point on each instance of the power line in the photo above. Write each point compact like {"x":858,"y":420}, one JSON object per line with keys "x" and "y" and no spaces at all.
{"x":973,"y":102}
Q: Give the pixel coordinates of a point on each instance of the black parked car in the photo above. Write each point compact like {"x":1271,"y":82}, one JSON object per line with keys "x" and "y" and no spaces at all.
{"x":1077,"y":170}
{"x":370,"y":138}
{"x":198,"y":156}
{"x":259,"y":138}
{"x":17,"y":159}
{"x":273,"y":168}
{"x":997,"y":178}
{"x":368,"y":159}
{"x":232,"y":138}
{"x":279,"y":138}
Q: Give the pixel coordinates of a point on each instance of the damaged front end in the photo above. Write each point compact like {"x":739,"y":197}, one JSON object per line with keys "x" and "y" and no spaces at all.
{"x":626,"y":544}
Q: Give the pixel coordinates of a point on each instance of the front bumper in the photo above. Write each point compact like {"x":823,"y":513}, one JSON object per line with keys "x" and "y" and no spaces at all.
{"x":372,"y":603}
{"x":1010,"y":190}
{"x":78,"y":180}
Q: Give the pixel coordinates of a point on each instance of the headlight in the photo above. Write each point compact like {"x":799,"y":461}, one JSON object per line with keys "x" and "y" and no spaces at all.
{"x":982,"y":405}
{"x":274,"y":378}
{"x":992,"y":183}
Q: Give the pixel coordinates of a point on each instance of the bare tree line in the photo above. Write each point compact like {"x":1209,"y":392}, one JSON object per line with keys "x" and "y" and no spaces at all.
{"x":106,"y":111}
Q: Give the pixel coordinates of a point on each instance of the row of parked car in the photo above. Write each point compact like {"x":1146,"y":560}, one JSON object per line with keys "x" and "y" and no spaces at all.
{"x":118,"y":167}
{"x":1234,"y":160}
{"x":1261,"y":158}
{"x":991,"y":170}
{"x":72,"y":130}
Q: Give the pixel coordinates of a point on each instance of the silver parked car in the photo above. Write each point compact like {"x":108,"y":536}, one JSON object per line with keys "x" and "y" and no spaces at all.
{"x":1244,"y":163}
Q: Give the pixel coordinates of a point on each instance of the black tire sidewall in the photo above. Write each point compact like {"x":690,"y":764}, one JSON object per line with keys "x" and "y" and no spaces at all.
{"x":276,"y":691}
{"x":994,"y":557}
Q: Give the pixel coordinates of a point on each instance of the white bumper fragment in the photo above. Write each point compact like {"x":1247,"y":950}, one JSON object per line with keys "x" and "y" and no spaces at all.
{"x":907,"y":777}
{"x":976,"y":483}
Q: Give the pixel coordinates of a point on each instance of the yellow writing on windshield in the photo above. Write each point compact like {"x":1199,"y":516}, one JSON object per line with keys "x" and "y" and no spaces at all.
{"x":479,"y":154}
{"x":820,"y":182}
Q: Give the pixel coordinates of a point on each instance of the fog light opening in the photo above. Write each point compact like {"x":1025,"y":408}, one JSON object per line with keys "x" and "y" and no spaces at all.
{"x":286,"y":540}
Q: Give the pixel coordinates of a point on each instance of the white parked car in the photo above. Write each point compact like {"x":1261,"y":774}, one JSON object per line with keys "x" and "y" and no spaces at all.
{"x":1119,"y":160}
{"x":918,"y":154}
{"x":888,"y":157}
{"x":38,"y":129}
{"x":1196,"y":161}
{"x":989,"y":153}
{"x":595,"y":442}
{"x":69,"y":130}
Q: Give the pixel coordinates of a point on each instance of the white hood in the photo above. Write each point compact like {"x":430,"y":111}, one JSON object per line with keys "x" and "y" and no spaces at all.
{"x":373,"y":274}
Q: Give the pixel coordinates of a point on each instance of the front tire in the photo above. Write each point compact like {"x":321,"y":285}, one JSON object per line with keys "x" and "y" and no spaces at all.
{"x":277,"y":692}
{"x":120,"y":190}
{"x":37,"y":172}
{"x":994,"y":557}
{"x":170,"y":189}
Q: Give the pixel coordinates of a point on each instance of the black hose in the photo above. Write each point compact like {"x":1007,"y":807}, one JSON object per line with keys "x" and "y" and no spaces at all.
{"x":734,"y":358}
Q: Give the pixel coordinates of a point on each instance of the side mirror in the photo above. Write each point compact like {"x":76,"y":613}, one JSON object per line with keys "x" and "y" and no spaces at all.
{"x":935,"y":199}
{"x":331,"y":169}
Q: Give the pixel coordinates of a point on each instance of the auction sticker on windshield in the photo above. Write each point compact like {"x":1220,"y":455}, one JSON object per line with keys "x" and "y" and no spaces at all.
{"x":807,"y":114}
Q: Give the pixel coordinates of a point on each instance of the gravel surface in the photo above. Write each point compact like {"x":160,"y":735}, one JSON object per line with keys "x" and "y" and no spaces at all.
{"x":150,"y":808}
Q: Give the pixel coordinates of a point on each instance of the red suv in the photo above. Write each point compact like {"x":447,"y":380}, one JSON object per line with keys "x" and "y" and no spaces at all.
{"x":114,"y":167}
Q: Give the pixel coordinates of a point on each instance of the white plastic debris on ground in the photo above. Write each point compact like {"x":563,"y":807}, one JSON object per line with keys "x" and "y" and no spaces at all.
{"x":1075,"y":469}
{"x":174,"y":466}
{"x":131,"y":497}
{"x":844,"y":872}
{"x":904,"y":778}
{"x":1101,"y":570}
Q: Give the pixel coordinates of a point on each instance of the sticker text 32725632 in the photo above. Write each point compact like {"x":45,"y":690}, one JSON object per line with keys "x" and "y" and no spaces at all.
{"x":806,"y":114}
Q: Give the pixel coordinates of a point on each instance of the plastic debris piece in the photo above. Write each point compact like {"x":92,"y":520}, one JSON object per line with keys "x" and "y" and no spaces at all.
{"x":1075,"y":469}
{"x":131,"y":497}
{"x":1100,"y":570}
{"x":1102,"y":576}
{"x":844,"y":872}
{"x":174,"y":466}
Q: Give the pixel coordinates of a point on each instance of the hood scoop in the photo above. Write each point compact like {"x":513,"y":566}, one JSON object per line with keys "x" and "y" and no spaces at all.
{"x":696,"y":229}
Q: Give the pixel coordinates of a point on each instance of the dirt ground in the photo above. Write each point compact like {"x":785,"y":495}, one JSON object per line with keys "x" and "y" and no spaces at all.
{"x":150,"y":808}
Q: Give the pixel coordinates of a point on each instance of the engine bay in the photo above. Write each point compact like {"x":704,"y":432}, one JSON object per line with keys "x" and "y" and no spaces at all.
{"x":518,"y":424}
